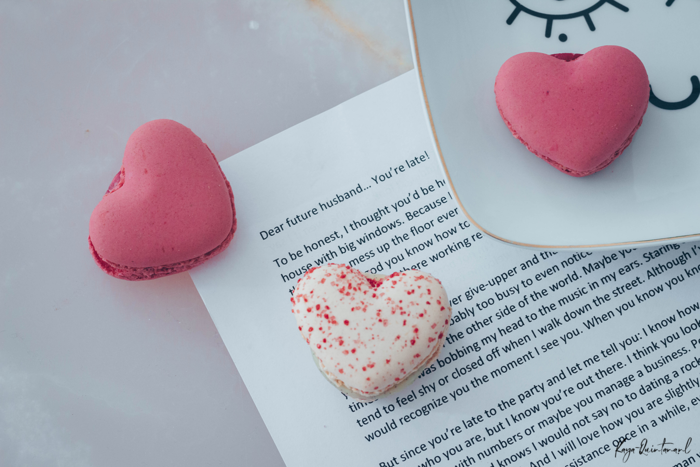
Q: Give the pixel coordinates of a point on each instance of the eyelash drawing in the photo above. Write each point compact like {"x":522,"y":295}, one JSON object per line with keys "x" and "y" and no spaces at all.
{"x":586,"y":14}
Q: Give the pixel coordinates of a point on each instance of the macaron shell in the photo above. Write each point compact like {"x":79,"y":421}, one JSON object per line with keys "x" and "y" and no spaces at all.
{"x":369,"y":336}
{"x":578,"y":113}
{"x":172,"y":203}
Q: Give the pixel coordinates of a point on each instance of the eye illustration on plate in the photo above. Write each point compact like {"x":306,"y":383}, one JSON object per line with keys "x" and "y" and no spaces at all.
{"x":557,"y":10}
{"x":560,"y":10}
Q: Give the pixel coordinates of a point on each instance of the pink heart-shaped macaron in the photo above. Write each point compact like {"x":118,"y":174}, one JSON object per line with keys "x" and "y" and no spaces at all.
{"x":370,"y":334}
{"x":169,"y":209}
{"x":577,"y":112}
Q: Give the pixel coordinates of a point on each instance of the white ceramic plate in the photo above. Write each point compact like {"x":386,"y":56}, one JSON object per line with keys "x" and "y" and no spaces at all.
{"x":649,"y":195}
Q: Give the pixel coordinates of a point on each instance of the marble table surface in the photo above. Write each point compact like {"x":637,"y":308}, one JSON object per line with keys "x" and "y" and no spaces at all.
{"x":95,"y":371}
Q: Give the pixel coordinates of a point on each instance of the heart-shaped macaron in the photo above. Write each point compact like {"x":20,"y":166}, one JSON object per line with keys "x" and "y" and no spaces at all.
{"x":169,"y":209}
{"x":577,"y":112}
{"x":371,"y":334}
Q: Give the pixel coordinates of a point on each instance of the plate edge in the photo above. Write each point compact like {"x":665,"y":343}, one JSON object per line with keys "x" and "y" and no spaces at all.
{"x":416,"y":62}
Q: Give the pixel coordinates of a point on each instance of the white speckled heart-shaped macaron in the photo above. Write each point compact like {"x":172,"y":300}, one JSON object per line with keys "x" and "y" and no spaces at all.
{"x":371,"y":333}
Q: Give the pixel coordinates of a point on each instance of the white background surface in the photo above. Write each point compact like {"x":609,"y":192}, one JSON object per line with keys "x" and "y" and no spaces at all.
{"x":100,"y":372}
